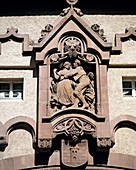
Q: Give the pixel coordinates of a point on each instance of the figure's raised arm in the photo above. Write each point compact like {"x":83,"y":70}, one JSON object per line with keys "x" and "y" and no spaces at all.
{"x":56,"y":74}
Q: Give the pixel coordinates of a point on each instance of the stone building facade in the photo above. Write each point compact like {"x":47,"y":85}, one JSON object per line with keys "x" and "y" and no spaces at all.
{"x":42,"y":125}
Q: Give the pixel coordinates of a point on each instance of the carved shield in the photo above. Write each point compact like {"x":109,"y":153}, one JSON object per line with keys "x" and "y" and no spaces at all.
{"x":74,"y":156}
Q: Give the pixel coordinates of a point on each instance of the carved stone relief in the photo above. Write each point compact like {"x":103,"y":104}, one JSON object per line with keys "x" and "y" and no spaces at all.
{"x":72,"y":75}
{"x":72,"y":85}
{"x":74,"y":156}
{"x":66,"y":10}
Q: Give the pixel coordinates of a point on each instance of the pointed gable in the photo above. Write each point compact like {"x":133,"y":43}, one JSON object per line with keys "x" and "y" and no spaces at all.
{"x":72,"y":22}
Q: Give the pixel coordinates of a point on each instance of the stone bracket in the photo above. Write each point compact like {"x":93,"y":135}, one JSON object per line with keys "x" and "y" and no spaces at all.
{"x":45,"y":143}
{"x":104,"y":137}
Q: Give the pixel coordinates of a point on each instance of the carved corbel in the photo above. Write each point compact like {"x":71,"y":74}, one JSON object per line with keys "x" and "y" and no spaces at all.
{"x":104,"y":143}
{"x":45,"y":143}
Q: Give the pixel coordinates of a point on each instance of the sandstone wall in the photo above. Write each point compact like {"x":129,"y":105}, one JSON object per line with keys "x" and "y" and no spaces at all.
{"x":11,"y":55}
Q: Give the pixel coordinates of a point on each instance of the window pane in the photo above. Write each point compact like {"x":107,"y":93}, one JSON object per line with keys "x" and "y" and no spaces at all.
{"x":127,"y":84}
{"x":127,"y":88}
{"x":127,"y":92}
{"x":17,"y":90}
{"x":4,"y":90}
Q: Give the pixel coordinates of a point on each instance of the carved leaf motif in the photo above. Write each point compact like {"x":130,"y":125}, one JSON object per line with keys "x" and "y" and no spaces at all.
{"x":72,"y":43}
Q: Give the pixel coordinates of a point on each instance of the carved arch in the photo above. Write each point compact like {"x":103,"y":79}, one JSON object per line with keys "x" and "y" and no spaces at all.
{"x":21,"y":122}
{"x":122,"y":121}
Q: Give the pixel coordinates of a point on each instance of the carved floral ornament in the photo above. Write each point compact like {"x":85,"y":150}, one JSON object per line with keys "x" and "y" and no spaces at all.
{"x":72,"y":47}
{"x":75,"y":127}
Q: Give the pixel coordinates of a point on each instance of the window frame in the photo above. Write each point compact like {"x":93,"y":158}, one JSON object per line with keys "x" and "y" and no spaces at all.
{"x":11,"y":82}
{"x":133,"y":86}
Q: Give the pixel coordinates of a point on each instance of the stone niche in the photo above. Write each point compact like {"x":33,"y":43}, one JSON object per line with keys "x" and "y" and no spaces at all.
{"x":72,"y":59}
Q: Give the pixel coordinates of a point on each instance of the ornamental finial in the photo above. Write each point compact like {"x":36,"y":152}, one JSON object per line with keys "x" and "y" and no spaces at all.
{"x":72,"y":2}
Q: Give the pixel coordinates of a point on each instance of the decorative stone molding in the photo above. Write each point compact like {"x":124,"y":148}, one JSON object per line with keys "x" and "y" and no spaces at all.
{"x":75,"y":128}
{"x":12,"y":33}
{"x":65,"y":11}
{"x":130,"y":33}
{"x":72,"y":2}
{"x":122,"y":121}
{"x":104,"y":143}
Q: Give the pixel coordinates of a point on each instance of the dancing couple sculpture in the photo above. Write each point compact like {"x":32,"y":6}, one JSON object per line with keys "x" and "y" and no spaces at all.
{"x":72,"y":87}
